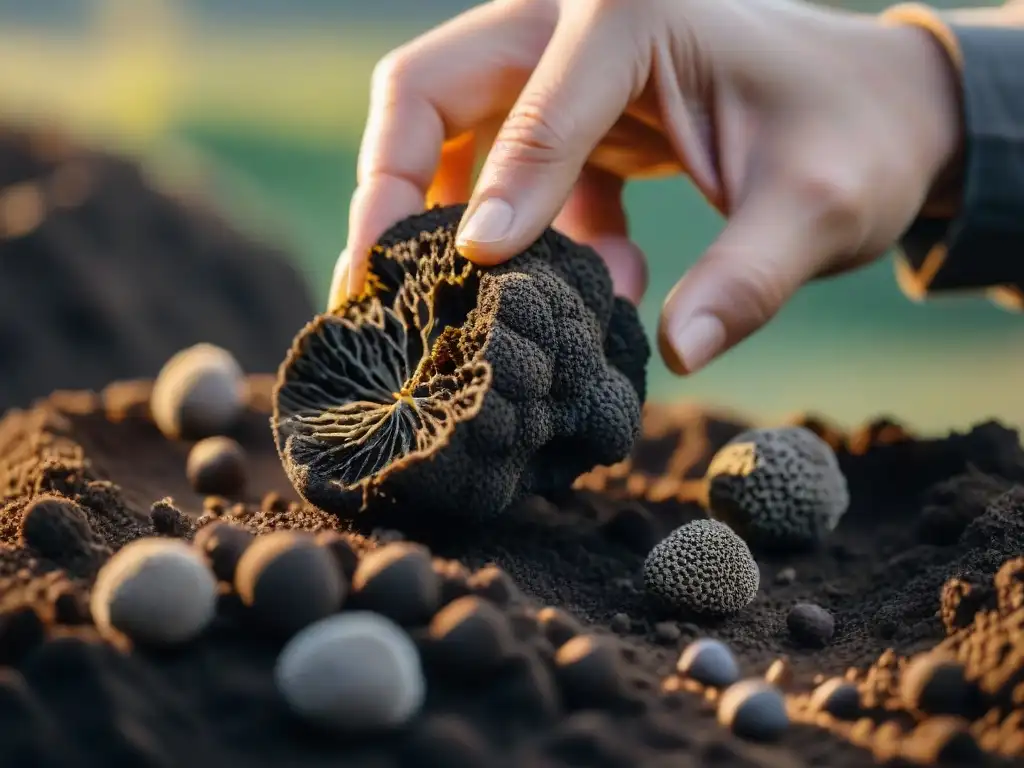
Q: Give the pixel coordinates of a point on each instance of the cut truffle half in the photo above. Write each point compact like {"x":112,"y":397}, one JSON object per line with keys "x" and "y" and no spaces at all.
{"x":457,"y":388}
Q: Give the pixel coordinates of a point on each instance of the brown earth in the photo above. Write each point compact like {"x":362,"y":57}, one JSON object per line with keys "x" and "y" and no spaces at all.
{"x":923,"y":512}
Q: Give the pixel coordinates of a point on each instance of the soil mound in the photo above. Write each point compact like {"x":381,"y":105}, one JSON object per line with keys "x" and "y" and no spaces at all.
{"x":103,"y":276}
{"x":918,"y":563}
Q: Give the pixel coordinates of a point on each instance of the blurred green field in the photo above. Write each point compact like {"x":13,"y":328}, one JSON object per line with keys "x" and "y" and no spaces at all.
{"x":274,"y":116}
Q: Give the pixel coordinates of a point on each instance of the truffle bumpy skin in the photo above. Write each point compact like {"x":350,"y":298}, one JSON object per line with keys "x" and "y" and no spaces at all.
{"x":458,"y":389}
{"x":704,"y":568}
{"x":779,"y":489}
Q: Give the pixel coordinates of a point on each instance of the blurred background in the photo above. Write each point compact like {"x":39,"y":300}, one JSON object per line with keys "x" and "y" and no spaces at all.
{"x":262,"y":103}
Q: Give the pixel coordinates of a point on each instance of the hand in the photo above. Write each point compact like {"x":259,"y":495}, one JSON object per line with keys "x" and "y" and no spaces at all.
{"x":819,"y":134}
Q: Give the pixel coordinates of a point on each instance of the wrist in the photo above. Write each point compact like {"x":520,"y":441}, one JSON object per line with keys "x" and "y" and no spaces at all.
{"x":933,"y":66}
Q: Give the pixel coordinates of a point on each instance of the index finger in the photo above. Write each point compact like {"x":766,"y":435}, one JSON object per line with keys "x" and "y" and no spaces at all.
{"x":436,"y":88}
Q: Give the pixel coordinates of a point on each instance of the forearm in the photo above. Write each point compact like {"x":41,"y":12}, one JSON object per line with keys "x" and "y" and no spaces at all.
{"x":972,"y":236}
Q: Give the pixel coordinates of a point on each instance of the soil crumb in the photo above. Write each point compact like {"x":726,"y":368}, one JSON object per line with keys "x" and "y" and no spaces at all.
{"x":923,"y":579}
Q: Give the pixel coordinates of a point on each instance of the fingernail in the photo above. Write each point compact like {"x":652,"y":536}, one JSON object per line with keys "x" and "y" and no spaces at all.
{"x":489,"y":223}
{"x":696,"y":340}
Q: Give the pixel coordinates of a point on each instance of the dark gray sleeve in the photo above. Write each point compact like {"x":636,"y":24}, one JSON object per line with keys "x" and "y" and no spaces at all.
{"x":983,"y":247}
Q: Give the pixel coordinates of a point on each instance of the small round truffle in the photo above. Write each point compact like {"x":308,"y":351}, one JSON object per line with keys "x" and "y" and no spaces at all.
{"x":288,"y":581}
{"x":589,"y":670}
{"x":216,"y":465}
{"x":470,"y":635}
{"x":778,"y":488}
{"x":198,"y":393}
{"x":702,"y":567}
{"x":837,"y":697}
{"x":557,"y":625}
{"x":709,"y":662}
{"x":57,"y":528}
{"x":495,"y":584}
{"x":810,"y":624}
{"x":223,"y":545}
{"x":937,"y":685}
{"x":156,"y":591}
{"x":753,"y":709}
{"x":356,"y":671}
{"x":340,"y":547}
{"x":942,"y":741}
{"x":398,"y":581}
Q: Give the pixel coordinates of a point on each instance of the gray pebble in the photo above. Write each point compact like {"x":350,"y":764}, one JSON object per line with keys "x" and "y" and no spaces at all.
{"x":667,"y":632}
{"x":621,"y":623}
{"x":753,"y":709}
{"x":810,"y":624}
{"x":709,"y":662}
{"x":355,"y":671}
{"x":838,"y":697}
{"x":155,"y":590}
{"x":200,"y":392}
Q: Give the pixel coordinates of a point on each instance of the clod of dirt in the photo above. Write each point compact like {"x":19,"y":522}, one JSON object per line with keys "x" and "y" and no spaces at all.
{"x":156,"y":591}
{"x":709,"y":662}
{"x":470,"y":635}
{"x":702,"y":567}
{"x":216,"y":465}
{"x":288,"y":581}
{"x":780,"y":488}
{"x":168,"y":520}
{"x":223,"y":545}
{"x":200,"y":392}
{"x":753,"y":709}
{"x":456,"y":389}
{"x":810,"y":625}
{"x":58,"y":529}
{"x":837,"y":697}
{"x":397,"y":581}
{"x":357,"y":671}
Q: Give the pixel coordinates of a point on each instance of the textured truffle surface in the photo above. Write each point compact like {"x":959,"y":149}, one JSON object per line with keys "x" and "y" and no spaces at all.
{"x":702,"y":567}
{"x":457,"y":388}
{"x":778,"y":488}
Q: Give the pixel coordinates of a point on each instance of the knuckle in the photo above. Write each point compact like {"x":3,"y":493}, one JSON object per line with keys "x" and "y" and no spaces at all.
{"x":393,"y":72}
{"x":532,"y":134}
{"x":835,"y":203}
{"x":758,"y":294}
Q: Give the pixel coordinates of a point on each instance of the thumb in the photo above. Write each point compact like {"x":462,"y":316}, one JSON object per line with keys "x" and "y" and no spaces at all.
{"x":770,"y":246}
{"x":581,"y":86}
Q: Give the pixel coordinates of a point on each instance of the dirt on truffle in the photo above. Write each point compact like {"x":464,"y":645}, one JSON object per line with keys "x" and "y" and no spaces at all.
{"x":103,"y":275}
{"x":910,"y":567}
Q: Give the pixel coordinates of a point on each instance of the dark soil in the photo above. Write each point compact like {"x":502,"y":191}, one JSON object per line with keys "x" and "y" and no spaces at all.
{"x":924,"y":512}
{"x":103,"y":276}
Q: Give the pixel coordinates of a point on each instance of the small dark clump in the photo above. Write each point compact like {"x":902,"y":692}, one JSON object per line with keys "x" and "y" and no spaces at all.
{"x":216,"y":465}
{"x":58,"y":529}
{"x":397,"y":581}
{"x":223,"y":545}
{"x":168,"y":520}
{"x":810,"y":624}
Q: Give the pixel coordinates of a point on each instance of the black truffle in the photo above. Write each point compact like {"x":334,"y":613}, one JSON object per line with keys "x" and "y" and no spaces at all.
{"x":216,"y":465}
{"x":937,"y":685}
{"x":398,"y":581}
{"x":223,"y":545}
{"x":778,"y":488}
{"x":288,"y":581}
{"x":493,"y":583}
{"x":460,"y":389}
{"x":754,"y":710}
{"x":589,"y":670}
{"x":837,"y":697}
{"x":470,"y":636}
{"x":557,"y":625}
{"x":702,"y":567}
{"x":810,"y":625}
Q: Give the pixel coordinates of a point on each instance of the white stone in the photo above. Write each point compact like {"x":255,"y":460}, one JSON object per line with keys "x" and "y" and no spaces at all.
{"x":354,"y":671}
{"x":156,"y":591}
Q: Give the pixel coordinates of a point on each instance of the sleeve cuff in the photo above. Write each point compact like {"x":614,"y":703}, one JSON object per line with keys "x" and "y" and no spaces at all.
{"x":978,"y":249}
